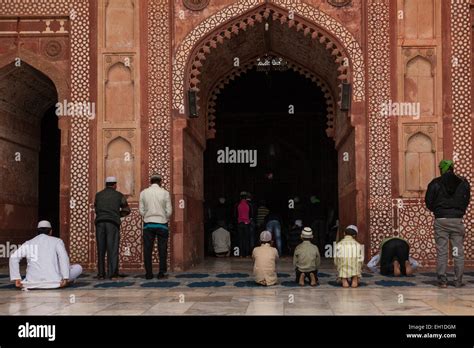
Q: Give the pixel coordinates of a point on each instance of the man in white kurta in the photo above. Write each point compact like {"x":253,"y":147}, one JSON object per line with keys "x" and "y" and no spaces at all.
{"x":48,"y":263}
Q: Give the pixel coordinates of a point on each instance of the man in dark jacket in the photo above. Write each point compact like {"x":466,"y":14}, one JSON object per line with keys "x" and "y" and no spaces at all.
{"x":110,"y":205}
{"x":448,"y":197}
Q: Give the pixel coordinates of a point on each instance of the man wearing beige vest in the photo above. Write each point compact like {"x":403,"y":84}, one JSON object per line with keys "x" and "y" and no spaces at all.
{"x":265,"y":257}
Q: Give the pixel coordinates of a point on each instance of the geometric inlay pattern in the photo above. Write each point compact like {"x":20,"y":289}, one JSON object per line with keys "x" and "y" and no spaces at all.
{"x":185,"y":48}
{"x":159,"y":90}
{"x":341,"y":33}
{"x":462,"y":109}
{"x":414,"y":222}
{"x":159,"y":93}
{"x":380,"y":176}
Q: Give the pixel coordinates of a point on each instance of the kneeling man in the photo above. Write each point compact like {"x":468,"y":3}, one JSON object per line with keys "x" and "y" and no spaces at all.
{"x":307,"y":259}
{"x":48,"y":263}
{"x":265,"y":257}
{"x":394,"y":258}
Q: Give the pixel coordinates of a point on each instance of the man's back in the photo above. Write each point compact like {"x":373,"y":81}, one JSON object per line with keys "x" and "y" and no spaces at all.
{"x":349,"y":252}
{"x":243,"y":212}
{"x":221,"y":240}
{"x":107,"y":206}
{"x":448,"y":196}
{"x":155,"y":204}
{"x":48,"y":262}
{"x":307,"y":258}
{"x":265,"y":258}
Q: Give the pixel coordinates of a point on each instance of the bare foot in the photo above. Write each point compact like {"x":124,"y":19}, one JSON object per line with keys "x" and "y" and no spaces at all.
{"x":301,"y":280}
{"x":396,"y":269}
{"x":345,"y":283}
{"x":408,"y":268}
{"x":355,"y":282}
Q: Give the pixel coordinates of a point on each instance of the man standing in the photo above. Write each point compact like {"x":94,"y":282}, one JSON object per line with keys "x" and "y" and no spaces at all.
{"x":110,"y":205}
{"x":48,"y":263}
{"x":252,"y":225}
{"x":243,"y":213}
{"x":448,"y":197}
{"x":221,"y":212}
{"x":156,"y":209}
{"x":273,"y":225}
{"x":262,"y":212}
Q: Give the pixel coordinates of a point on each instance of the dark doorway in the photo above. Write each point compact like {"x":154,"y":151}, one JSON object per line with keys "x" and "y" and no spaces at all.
{"x":49,"y":170}
{"x":295,"y":157}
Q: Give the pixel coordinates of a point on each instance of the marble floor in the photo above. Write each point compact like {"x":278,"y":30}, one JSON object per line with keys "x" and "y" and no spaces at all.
{"x":228,"y":299}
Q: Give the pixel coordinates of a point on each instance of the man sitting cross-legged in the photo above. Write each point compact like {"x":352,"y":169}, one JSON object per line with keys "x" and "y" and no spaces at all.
{"x":48,"y":263}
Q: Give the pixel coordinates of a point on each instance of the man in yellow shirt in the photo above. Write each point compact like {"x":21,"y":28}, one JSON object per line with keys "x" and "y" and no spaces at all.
{"x":349,"y":257}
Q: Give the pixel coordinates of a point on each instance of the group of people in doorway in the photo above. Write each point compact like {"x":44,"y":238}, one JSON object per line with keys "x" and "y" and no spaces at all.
{"x":48,"y":266}
{"x":237,"y":227}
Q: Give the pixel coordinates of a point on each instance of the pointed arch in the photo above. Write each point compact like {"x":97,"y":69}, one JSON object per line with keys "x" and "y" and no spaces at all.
{"x":234,"y":18}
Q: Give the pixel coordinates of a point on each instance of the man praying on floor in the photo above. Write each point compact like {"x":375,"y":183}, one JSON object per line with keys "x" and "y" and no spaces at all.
{"x":265,"y":257}
{"x":307,"y":259}
{"x":394,"y":258}
{"x":47,"y":262}
{"x":348,"y":258}
{"x":221,"y":240}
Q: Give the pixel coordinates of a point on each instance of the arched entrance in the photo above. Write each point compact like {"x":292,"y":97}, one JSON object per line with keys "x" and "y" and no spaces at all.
{"x":317,"y":52}
{"x":33,"y":181}
{"x":278,"y":119}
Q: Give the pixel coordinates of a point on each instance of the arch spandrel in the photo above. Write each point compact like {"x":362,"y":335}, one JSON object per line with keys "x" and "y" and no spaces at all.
{"x":317,"y":19}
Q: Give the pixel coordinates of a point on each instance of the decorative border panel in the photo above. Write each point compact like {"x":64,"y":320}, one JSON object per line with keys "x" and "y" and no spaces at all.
{"x":159,"y":93}
{"x":414,"y":223}
{"x":159,"y":89}
{"x":462,"y":108}
{"x":379,"y":157}
{"x":78,"y":11}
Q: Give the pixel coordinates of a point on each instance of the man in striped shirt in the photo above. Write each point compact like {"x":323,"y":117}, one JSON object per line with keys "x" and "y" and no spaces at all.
{"x":349,"y":257}
{"x":262,"y":212}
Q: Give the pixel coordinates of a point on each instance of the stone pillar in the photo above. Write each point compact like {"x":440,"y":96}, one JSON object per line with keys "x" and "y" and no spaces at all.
{"x":118,"y":141}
